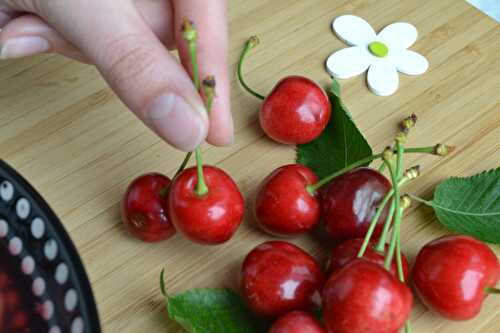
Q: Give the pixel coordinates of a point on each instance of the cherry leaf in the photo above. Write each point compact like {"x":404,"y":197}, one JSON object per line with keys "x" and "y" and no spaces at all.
{"x":470,"y":205}
{"x":211,"y":311}
{"x":340,"y":144}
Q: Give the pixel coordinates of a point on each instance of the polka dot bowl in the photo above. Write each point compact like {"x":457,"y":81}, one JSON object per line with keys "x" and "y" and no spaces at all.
{"x":43,"y":284}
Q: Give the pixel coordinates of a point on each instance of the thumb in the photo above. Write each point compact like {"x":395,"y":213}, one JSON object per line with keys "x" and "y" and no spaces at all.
{"x":136,"y":65}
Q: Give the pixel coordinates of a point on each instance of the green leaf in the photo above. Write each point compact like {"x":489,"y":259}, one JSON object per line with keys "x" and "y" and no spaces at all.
{"x":212,"y":311}
{"x":340,"y":144}
{"x":470,"y":205}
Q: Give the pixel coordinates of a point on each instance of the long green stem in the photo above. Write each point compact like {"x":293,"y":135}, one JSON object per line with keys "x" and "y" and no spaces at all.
{"x":380,"y":247}
{"x":399,"y":210}
{"x":373,"y":222}
{"x":312,"y":188}
{"x":190,"y":35}
{"x":399,"y":262}
{"x":250,"y":44}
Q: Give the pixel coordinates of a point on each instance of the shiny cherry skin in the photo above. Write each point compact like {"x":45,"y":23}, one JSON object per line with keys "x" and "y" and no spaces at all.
{"x":144,"y":208}
{"x":297,"y":322}
{"x":363,"y":297}
{"x":348,"y":250}
{"x":209,"y":219}
{"x":283,"y":206}
{"x":351,"y":200}
{"x":296,"y":111}
{"x":451,"y":273}
{"x":278,"y":277}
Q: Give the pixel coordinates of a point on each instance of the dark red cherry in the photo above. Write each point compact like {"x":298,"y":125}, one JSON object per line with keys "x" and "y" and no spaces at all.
{"x":363,"y":297}
{"x":451,"y":275}
{"x":351,"y":200}
{"x":296,"y":111}
{"x":348,"y":250}
{"x":278,"y":277}
{"x":144,"y":209}
{"x":209,"y":219}
{"x":283,"y":206}
{"x":297,"y":322}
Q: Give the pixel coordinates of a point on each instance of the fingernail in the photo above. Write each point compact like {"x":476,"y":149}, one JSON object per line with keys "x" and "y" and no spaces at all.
{"x":178,"y":122}
{"x":4,"y":19}
{"x":23,"y":46}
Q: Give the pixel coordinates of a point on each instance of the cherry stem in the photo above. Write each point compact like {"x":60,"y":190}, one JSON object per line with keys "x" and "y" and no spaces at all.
{"x":183,"y":164}
{"x":190,"y":35}
{"x":312,"y":188}
{"x":373,"y":222}
{"x":397,"y":199}
{"x":380,"y":247}
{"x":399,"y":262}
{"x":492,"y":291}
{"x":249,"y":44}
{"x":407,"y":326}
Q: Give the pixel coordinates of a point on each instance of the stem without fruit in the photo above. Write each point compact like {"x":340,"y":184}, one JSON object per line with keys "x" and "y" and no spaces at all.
{"x":250,"y":44}
{"x":312,"y":188}
{"x":380,"y":247}
{"x":397,"y":219}
{"x":373,"y":222}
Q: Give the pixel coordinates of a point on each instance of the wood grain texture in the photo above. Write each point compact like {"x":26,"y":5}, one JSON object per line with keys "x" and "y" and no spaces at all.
{"x":63,"y":129}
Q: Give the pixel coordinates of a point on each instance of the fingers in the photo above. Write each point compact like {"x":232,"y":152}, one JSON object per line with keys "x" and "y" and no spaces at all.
{"x":156,"y":14}
{"x":136,"y":65}
{"x":28,"y":35}
{"x":210,"y":19}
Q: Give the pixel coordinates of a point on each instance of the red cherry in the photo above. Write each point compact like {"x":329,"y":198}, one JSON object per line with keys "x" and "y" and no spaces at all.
{"x":212,"y":218}
{"x":351,"y":200}
{"x":283,"y":206}
{"x":279,"y":277}
{"x":451,"y":274}
{"x":144,"y":210}
{"x":347,"y":251}
{"x":296,"y":322}
{"x":296,"y":111}
{"x":363,"y":297}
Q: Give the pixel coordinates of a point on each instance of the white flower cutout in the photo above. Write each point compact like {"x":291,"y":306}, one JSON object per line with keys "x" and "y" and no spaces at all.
{"x":383,"y":55}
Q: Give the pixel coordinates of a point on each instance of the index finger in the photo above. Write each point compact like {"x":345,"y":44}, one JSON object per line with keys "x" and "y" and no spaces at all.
{"x":211,"y":22}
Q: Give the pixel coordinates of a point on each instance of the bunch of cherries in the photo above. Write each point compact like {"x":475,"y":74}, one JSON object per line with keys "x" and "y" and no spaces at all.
{"x":364,"y":287}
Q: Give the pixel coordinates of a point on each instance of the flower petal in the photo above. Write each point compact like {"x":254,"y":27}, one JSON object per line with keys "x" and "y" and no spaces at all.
{"x":353,"y":30}
{"x":383,"y":79}
{"x":348,"y":62}
{"x":399,"y":35}
{"x":411,"y":63}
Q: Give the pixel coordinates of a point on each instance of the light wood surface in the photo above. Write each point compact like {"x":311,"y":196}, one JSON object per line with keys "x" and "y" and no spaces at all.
{"x":66,"y":132}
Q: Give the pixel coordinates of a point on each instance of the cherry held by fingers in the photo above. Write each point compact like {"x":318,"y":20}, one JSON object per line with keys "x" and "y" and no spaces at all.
{"x":212,"y":218}
{"x":296,"y":111}
{"x":347,"y":251}
{"x":144,"y":208}
{"x":278,"y":277}
{"x":363,"y":297}
{"x":283,"y":206}
{"x":451,"y":275}
{"x":351,"y":200}
{"x":296,"y":322}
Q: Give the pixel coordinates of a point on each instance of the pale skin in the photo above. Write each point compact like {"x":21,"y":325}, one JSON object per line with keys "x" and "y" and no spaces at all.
{"x":129,"y":42}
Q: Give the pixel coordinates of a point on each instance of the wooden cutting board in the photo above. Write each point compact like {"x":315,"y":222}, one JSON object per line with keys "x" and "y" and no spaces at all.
{"x":63,"y":129}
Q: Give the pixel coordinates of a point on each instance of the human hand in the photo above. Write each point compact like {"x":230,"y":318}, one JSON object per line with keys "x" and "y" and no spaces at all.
{"x":127,"y":40}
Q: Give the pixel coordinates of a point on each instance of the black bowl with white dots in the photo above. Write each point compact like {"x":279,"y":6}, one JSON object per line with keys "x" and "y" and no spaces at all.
{"x":43,"y":284}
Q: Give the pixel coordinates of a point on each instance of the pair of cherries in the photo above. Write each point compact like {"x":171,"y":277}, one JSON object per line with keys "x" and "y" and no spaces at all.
{"x":154,"y":207}
{"x":279,"y":280}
